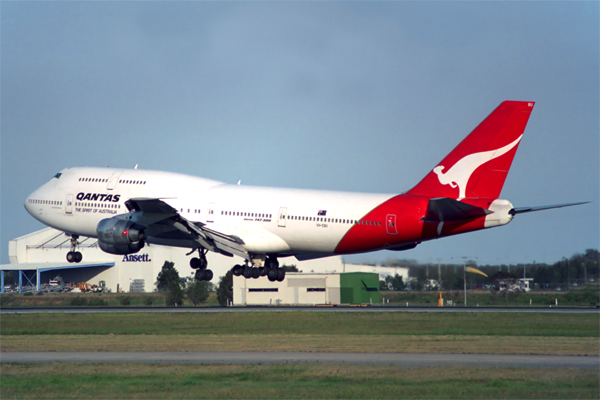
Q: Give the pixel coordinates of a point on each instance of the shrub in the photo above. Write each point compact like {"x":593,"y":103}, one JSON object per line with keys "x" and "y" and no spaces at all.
{"x":78,"y":301}
{"x":149,"y":301}
{"x":96,"y":301}
{"x":125,"y":301}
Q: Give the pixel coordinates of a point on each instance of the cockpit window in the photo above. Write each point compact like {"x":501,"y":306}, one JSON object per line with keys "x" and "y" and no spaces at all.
{"x":57,"y":176}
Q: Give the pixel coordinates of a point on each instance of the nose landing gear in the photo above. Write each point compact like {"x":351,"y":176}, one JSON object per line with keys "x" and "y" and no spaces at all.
{"x":74,"y":256}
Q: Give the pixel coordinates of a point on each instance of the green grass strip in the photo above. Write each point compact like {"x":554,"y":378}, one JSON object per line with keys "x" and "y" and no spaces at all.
{"x":313,"y":323}
{"x":134,"y":381}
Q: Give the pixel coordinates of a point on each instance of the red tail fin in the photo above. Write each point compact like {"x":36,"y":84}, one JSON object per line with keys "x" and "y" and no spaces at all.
{"x":478,"y":166}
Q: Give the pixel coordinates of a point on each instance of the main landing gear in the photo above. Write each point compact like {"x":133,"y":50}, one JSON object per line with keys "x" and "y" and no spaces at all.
{"x":271,"y":270}
{"x":200,"y":264}
{"x":74,"y":256}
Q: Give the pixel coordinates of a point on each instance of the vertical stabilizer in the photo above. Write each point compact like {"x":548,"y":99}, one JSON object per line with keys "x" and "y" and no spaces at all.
{"x":478,"y":166}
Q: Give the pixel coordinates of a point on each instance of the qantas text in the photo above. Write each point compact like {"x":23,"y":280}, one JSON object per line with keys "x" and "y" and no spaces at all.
{"x":98,"y":197}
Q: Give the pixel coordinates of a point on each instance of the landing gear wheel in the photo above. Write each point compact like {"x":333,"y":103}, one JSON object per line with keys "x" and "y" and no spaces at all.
{"x":200,"y":275}
{"x":272,"y":274}
{"x":280,"y":274}
{"x":208,"y":275}
{"x":255,"y":273}
{"x":238,"y":270}
{"x":263,"y":271}
{"x":74,"y":256}
{"x":247,"y":272}
{"x":199,"y":262}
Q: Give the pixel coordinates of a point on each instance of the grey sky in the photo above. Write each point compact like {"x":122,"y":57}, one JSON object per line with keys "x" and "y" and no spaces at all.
{"x":356,"y":96}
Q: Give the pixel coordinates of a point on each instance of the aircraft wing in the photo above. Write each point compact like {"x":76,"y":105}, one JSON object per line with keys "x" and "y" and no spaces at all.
{"x":163,"y":221}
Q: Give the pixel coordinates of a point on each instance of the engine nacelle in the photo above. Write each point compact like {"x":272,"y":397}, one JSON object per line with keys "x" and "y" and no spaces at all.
{"x":120,"y":236}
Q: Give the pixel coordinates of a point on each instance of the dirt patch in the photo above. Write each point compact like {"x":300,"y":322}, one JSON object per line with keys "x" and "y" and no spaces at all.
{"x":325,"y":343}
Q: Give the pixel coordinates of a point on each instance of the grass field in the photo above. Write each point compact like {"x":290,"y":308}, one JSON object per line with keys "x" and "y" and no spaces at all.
{"x":135,"y":381}
{"x":301,"y":323}
{"x":498,"y":333}
{"x":501,"y":333}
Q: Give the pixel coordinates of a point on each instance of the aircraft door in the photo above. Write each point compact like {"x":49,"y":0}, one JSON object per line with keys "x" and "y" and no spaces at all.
{"x":69,"y":205}
{"x":390,"y":224}
{"x":210,"y":216}
{"x":114,"y":179}
{"x":282,"y":217}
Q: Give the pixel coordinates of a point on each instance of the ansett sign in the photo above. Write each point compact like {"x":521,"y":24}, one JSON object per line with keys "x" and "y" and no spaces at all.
{"x":136,"y":258}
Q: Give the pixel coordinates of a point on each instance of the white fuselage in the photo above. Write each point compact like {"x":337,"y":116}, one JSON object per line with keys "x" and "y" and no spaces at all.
{"x":269,"y":220}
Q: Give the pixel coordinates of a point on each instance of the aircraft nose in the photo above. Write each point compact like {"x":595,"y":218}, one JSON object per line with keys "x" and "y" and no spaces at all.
{"x":32,"y":201}
{"x":29,"y":202}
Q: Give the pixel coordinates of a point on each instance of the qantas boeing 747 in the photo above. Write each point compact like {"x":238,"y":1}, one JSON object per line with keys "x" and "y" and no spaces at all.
{"x":125,"y":209}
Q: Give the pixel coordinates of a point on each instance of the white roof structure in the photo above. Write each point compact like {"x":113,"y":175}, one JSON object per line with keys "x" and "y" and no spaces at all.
{"x":45,"y":250}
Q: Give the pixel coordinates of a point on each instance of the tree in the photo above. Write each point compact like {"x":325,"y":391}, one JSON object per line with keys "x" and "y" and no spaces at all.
{"x":167,"y":275}
{"x":197,"y":291}
{"x":225,"y":290}
{"x":421,"y":279}
{"x":168,"y":281}
{"x":450,"y":279}
{"x":396,"y":281}
{"x":174,"y":294}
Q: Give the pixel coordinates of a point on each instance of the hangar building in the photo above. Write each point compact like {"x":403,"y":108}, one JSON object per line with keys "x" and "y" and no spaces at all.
{"x":38,"y":257}
{"x":308,"y":289}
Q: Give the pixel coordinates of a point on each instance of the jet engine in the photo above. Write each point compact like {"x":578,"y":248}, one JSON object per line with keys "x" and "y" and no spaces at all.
{"x":120,"y":236}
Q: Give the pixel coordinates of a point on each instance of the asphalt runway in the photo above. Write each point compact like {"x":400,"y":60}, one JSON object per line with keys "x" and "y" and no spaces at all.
{"x":349,"y":309}
{"x":398,"y":359}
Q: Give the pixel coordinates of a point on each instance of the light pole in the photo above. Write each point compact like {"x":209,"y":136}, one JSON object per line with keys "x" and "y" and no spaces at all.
{"x":465,"y":280}
{"x":465,"y":270}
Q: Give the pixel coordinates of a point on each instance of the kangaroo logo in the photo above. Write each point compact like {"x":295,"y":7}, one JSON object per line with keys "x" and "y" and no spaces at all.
{"x":460,"y":173}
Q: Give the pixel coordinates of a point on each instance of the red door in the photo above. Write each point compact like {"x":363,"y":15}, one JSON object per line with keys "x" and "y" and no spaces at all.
{"x":390,"y":224}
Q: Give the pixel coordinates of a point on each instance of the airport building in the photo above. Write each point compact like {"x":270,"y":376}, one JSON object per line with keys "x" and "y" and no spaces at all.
{"x":39,"y":257}
{"x":308,"y":289}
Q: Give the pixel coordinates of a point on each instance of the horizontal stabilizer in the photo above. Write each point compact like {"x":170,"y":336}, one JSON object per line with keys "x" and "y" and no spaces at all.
{"x":446,"y":209}
{"x":522,"y":210}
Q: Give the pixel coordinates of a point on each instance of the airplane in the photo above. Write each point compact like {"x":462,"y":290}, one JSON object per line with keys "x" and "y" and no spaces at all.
{"x":128,"y":208}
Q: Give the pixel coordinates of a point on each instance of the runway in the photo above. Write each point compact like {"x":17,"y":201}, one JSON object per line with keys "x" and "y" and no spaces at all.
{"x":398,"y":359}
